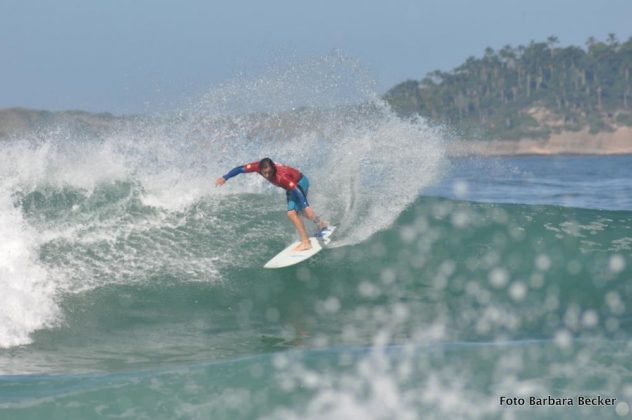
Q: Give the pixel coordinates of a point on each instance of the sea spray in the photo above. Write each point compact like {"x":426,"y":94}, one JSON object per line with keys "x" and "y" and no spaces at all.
{"x":138,"y":202}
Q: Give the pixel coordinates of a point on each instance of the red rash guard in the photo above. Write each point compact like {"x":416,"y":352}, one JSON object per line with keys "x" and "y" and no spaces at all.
{"x":285,"y":177}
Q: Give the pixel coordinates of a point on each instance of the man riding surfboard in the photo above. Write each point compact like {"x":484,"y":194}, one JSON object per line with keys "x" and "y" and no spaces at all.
{"x":296,"y":186}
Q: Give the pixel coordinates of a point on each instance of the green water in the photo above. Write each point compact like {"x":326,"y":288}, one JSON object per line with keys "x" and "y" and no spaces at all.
{"x":454,"y":305}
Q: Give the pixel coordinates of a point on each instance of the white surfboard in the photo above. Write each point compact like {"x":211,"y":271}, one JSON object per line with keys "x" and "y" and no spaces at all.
{"x":289,"y":256}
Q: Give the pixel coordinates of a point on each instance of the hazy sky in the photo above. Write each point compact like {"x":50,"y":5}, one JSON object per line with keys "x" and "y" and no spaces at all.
{"x":131,"y":56}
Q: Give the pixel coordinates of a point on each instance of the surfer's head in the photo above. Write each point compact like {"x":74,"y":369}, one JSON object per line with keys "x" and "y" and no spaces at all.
{"x":267,"y":168}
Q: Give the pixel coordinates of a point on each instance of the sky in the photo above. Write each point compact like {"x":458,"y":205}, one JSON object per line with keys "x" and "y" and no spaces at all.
{"x":145,"y":56}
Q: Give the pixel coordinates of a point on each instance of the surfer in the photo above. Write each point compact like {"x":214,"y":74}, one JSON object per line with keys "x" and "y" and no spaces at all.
{"x":295,"y":185}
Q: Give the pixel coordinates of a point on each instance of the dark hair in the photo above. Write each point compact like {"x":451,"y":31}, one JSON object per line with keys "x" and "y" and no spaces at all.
{"x":267,"y":163}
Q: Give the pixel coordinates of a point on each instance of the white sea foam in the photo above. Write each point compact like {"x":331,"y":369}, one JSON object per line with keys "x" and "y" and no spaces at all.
{"x":28,"y":297}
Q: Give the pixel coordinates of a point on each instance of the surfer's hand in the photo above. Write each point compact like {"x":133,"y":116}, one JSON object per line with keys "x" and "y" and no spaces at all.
{"x":220,"y":181}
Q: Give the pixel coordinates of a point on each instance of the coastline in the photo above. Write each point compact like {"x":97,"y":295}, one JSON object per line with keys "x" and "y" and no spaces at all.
{"x":618,"y":142}
{"x":18,"y":121}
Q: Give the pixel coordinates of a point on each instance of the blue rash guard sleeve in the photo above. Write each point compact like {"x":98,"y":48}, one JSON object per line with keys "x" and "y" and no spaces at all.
{"x":235,"y":171}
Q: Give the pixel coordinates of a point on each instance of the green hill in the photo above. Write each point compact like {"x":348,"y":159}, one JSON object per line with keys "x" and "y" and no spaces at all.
{"x":527,"y":91}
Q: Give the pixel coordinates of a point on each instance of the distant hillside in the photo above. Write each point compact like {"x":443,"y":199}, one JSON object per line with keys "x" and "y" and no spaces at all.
{"x":527,"y":92}
{"x":16,"y":122}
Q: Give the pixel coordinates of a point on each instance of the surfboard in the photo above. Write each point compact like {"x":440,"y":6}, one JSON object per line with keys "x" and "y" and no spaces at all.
{"x":289,"y":257}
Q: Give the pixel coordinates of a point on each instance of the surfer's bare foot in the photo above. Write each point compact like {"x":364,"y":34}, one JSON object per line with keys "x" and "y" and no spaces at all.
{"x":303,"y":246}
{"x":323,"y":224}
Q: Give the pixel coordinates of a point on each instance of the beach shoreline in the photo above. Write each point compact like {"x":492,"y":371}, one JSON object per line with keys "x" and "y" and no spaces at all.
{"x":618,"y":142}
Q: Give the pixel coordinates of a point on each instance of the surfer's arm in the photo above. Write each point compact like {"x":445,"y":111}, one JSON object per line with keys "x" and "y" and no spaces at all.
{"x":222,"y":179}
{"x":249,"y":167}
{"x":234,"y":172}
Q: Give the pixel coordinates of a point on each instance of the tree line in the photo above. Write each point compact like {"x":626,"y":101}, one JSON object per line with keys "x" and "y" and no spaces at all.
{"x":527,"y":91}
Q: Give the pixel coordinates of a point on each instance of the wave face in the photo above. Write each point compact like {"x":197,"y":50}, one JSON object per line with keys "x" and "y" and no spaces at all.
{"x":455,"y":300}
{"x":133,"y":287}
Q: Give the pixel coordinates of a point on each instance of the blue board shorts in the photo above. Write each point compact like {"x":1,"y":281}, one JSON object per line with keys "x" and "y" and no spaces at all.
{"x":297,"y":198}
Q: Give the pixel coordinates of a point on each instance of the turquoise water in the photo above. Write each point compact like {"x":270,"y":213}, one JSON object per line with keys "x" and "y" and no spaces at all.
{"x":133,"y":288}
{"x":571,"y":181}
